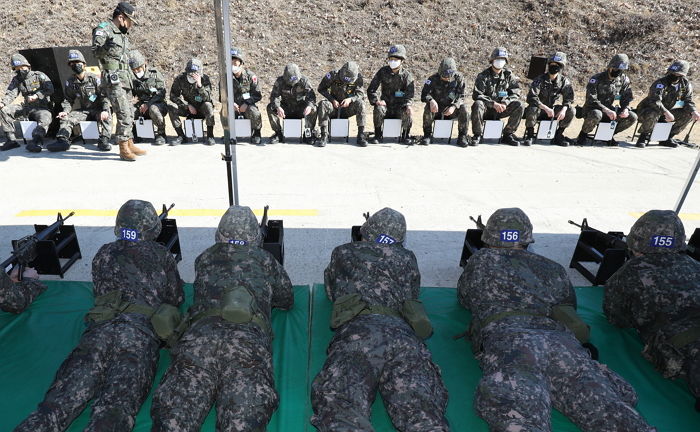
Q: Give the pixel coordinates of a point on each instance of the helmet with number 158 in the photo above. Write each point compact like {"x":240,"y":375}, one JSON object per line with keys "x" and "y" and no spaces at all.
{"x":137,"y":220}
{"x":508,"y":228}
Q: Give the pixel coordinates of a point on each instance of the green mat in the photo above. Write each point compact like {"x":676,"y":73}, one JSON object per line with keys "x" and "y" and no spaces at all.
{"x":33,"y":345}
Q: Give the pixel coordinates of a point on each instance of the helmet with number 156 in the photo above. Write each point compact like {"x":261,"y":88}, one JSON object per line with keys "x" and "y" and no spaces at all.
{"x":508,"y":228}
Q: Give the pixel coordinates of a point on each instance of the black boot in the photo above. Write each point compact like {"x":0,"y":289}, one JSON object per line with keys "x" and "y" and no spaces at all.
{"x":36,"y":145}
{"x":426,"y":138}
{"x":643,"y":140}
{"x":210,"y":136}
{"x":179,"y":138}
{"x":377,"y":136}
{"x":276,"y":138}
{"x":670,"y":142}
{"x":160,"y":138}
{"x":582,"y":139}
{"x":406,"y":139}
{"x":529,"y":137}
{"x":361,"y":139}
{"x":104,"y":145}
{"x":475,"y":141}
{"x":255,"y":137}
{"x":462,"y":140}
{"x":322,"y":140}
{"x":510,"y":139}
{"x":560,"y":139}
{"x":61,"y":144}
{"x":10,"y":143}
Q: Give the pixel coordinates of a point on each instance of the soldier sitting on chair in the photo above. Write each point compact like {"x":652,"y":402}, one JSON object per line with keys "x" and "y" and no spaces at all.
{"x":149,"y":94}
{"x":444,"y":93}
{"x":190,"y":95}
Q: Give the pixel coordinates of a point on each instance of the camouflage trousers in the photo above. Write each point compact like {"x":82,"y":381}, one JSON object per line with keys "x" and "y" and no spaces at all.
{"x":156,"y":112}
{"x":527,"y":371}
{"x":122,"y":107}
{"x":514,"y":112}
{"x":205,"y":110}
{"x":460,"y":114}
{"x":650,"y":114}
{"x":252,"y":113}
{"x":378,"y":352}
{"x":217,"y":362}
{"x":392,"y":112}
{"x":326,"y":112}
{"x":291,"y":112}
{"x":75,"y":117}
{"x":533,"y":114}
{"x":10,"y":113}
{"x":591,"y":118}
{"x":114,"y":363}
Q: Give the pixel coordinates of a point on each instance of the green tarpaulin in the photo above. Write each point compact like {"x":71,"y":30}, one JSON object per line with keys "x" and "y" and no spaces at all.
{"x":33,"y":344}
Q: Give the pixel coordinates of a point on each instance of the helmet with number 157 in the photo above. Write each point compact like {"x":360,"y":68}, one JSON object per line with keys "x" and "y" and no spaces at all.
{"x":657,"y":231}
{"x":387,"y":226}
{"x":508,"y":228}
{"x":137,"y":220}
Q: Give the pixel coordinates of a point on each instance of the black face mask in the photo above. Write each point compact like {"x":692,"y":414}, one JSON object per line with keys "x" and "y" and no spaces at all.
{"x":22,"y":74}
{"x":615,"y":73}
{"x":673,"y":78}
{"x":123,"y":29}
{"x":78,"y":68}
{"x":554,"y":69}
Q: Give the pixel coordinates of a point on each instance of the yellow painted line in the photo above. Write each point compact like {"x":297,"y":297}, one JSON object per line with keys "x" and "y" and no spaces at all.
{"x":683,"y":216}
{"x":173,"y":212}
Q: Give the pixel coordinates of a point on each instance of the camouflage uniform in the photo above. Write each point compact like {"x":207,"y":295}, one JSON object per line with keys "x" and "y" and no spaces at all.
{"x":397,"y":91}
{"x":246,"y":90}
{"x":184,"y":93}
{"x":658,"y":294}
{"x":219,"y":361}
{"x":377,"y":350}
{"x":530,"y":361}
{"x":336,"y":85}
{"x":602,"y":91}
{"x":445,"y":93}
{"x":34,"y":83}
{"x":669,"y":93}
{"x":293,"y":93}
{"x":149,"y":90}
{"x":15,"y":297}
{"x":115,"y":360}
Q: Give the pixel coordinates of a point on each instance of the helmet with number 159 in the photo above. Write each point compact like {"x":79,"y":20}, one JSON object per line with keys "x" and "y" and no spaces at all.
{"x":387,"y":226}
{"x":508,"y":228}
{"x":657,"y":231}
{"x":137,"y":220}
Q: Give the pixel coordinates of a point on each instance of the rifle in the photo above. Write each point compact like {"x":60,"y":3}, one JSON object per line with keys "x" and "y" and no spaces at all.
{"x":263,"y":223}
{"x":609,"y":250}
{"x":24,"y":250}
{"x":169,"y":236}
{"x":479,"y":224}
{"x":610,"y":240}
{"x":164,"y":213}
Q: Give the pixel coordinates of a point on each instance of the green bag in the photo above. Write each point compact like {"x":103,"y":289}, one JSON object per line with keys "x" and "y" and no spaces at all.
{"x":107,"y":306}
{"x":238,"y":305}
{"x":414,"y":313}
{"x":165,"y":320}
{"x":346,"y":308}
{"x":566,"y":314}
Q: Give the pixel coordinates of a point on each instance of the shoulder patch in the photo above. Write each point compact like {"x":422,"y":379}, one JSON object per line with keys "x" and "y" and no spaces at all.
{"x":254,"y":78}
{"x":593,"y":81}
{"x":427,"y":81}
{"x":99,"y":33}
{"x":103,"y":24}
{"x":328,"y":75}
{"x":660,"y":86}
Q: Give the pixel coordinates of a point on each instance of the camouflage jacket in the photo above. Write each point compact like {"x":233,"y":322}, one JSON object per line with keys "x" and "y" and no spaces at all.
{"x":333,"y":88}
{"x":397,"y":88}
{"x":36,"y":83}
{"x":111,"y":48}
{"x":445,"y":93}
{"x":299,"y":95}
{"x":150,"y":89}
{"x":15,"y":297}
{"x":497,"y":281}
{"x":665,"y":95}
{"x":144,"y":272}
{"x":84,"y":95}
{"x":182,"y":93}
{"x":246,"y":88}
{"x":545,"y":91}
{"x":383,"y":274}
{"x":659,"y":295}
{"x":227,"y":265}
{"x":602,"y":91}
{"x":503,"y":87}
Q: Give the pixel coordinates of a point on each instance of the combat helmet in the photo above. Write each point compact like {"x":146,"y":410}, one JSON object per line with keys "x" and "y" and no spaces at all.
{"x":657,"y":231}
{"x":292,"y":74}
{"x":349,"y":72}
{"x":508,"y":227}
{"x":136,"y":59}
{"x":238,"y":53}
{"x":137,"y":220}
{"x":386,"y":226}
{"x":239,"y":226}
{"x":499,"y":52}
{"x":17,"y":60}
{"x":194,"y":65}
{"x":448,"y":67}
{"x":559,"y":58}
{"x":75,"y":56}
{"x":679,"y":67}
{"x":619,"y":61}
{"x":398,"y":51}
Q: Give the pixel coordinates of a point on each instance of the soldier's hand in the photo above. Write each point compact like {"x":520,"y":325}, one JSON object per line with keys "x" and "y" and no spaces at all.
{"x":433,"y":106}
{"x":499,"y":107}
{"x":143,"y":108}
{"x":380,"y":103}
{"x":549,"y":111}
{"x":30,"y":273}
{"x":335,"y":104}
{"x":408,"y":110}
{"x":104,"y":116}
{"x":449,"y":110}
{"x":610,"y":113}
{"x":192,"y":109}
{"x":562,"y":113}
{"x":669,"y":117}
{"x":280,"y":112}
{"x":695,"y":116}
{"x":346,"y":102}
{"x":32,"y":98}
{"x":14,"y":274}
{"x":197,"y":79}
{"x":236,"y":108}
{"x":307,"y":111}
{"x":243,"y":108}
{"x":625,"y":113}
{"x":62,"y":115}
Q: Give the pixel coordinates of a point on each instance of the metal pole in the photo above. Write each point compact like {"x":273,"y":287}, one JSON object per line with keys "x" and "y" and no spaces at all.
{"x":223,"y":38}
{"x":688,"y":184}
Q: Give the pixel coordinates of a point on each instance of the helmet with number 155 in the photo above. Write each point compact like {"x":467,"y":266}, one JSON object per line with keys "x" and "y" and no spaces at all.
{"x":508,"y":228}
{"x":657,"y":231}
{"x":139,"y":217}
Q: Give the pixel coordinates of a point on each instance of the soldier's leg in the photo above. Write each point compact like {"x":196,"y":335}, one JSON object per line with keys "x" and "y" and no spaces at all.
{"x":532,"y":115}
{"x":648,"y":116}
{"x":157,"y":112}
{"x":413,"y":391}
{"x":683,"y":117}
{"x":325,"y":110}
{"x":591,"y":118}
{"x":378,"y":116}
{"x":275,"y":122}
{"x":478,"y":110}
{"x":514,"y":112}
{"x":253,"y":114}
{"x":406,"y":123}
{"x":76,"y":382}
{"x":206,"y":110}
{"x":65,"y":130}
{"x":357,"y":109}
{"x":43,"y":120}
{"x":128,"y":380}
{"x":625,"y":123}
{"x":123,"y":110}
{"x":8,"y":114}
{"x":428,"y":118}
{"x":568,"y":116}
{"x":174,"y":112}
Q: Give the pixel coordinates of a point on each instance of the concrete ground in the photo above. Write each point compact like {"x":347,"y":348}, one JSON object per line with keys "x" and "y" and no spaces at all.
{"x":321,"y":192}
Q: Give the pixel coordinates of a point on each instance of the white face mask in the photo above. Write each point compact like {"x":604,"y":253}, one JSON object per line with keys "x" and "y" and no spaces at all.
{"x":394,"y":63}
{"x":236,"y":69}
{"x":499,"y":63}
{"x":140,"y":75}
{"x":190,"y":79}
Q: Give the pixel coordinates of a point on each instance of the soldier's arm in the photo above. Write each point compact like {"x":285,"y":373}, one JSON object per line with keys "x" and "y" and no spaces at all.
{"x":425,"y":93}
{"x":461,"y":91}
{"x":372,"y":93}
{"x":159,"y":95}
{"x":478,"y":93}
{"x":68,"y":98}
{"x":616,"y":304}
{"x":329,"y":276}
{"x":282,"y":290}
{"x":205,"y":90}
{"x":513,"y":89}
{"x":414,"y":275}
{"x":16,"y":297}
{"x":175,"y":294}
{"x":324,"y":86}
{"x":310,"y":94}
{"x":276,"y":95}
{"x":410,"y":90}
{"x":99,"y":41}
{"x":592,"y":95}
{"x":533,"y":95}
{"x":176,"y":95}
{"x":359,"y":89}
{"x":46,"y":89}
{"x":255,"y":93}
{"x":567,"y":94}
{"x":688,"y":98}
{"x":463,"y":287}
{"x":626,"y":95}
{"x":656,"y":92}
{"x":11,"y":93}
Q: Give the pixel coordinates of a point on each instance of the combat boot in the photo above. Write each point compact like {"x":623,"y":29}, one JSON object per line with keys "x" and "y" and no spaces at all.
{"x":160,"y":138}
{"x":426,"y":137}
{"x":560,"y":139}
{"x":10,"y":143}
{"x":475,"y":141}
{"x":36,"y":145}
{"x":406,"y":139}
{"x":103,"y":144}
{"x":255,"y":137}
{"x":529,"y":137}
{"x":210,"y":136}
{"x":276,"y":138}
{"x":462,"y":140}
{"x":135,"y":150}
{"x":669,"y":143}
{"x":179,"y":138}
{"x":377,"y":136}
{"x":361,"y":139}
{"x":582,"y":139}
{"x":125,"y":152}
{"x":613,"y":143}
{"x":510,"y":140}
{"x":61,"y":144}
{"x":643,"y":140}
{"x":322,"y":140}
